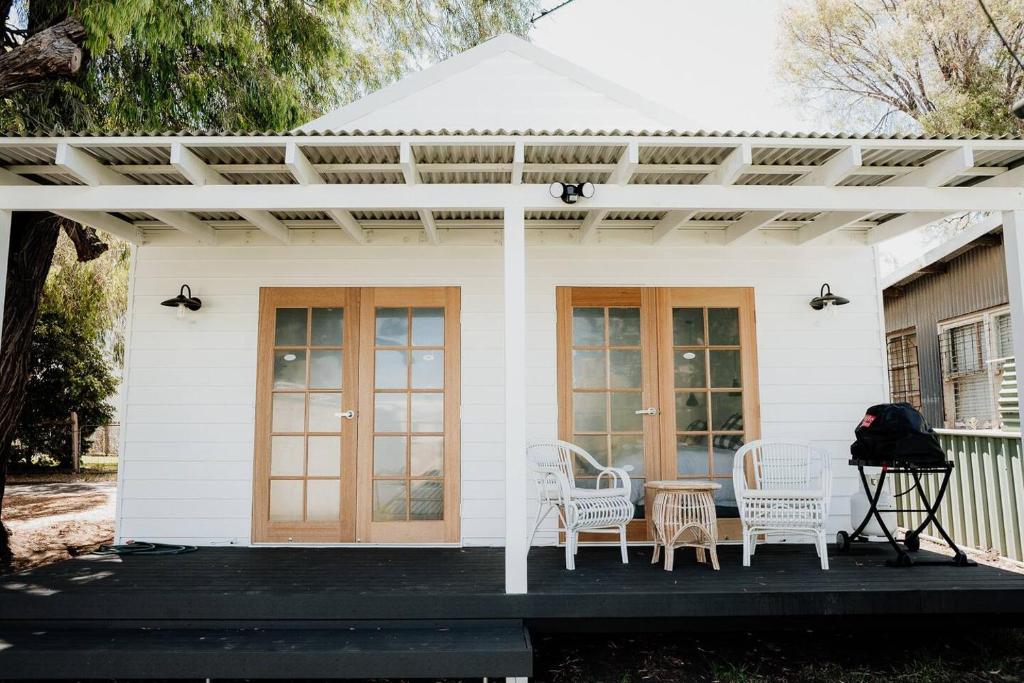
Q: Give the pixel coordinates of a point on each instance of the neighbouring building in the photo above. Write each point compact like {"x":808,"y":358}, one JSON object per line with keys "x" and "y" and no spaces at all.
{"x":949,"y":337}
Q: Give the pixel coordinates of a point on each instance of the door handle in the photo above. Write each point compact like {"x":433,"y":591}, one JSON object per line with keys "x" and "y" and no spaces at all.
{"x":349,"y":414}
{"x":646,"y":411}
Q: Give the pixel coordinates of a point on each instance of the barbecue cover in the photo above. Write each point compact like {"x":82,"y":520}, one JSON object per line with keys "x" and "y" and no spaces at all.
{"x":892,"y":433}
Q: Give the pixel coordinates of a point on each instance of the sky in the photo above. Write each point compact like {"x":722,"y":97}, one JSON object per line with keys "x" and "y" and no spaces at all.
{"x":712,"y":61}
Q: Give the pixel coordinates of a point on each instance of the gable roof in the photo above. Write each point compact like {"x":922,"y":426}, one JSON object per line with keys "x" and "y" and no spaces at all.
{"x":504,"y":83}
{"x":958,"y":244}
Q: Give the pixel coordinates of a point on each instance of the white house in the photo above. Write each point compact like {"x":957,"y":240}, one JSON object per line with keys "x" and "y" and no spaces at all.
{"x":393,"y":303}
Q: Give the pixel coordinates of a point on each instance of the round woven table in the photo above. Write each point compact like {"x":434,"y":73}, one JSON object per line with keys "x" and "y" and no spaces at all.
{"x":683,"y":516}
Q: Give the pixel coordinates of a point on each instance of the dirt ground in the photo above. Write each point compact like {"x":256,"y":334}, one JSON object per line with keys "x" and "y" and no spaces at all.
{"x":52,"y":520}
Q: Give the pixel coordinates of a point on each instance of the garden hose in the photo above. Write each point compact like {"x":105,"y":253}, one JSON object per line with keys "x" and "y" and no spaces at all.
{"x":145,"y":548}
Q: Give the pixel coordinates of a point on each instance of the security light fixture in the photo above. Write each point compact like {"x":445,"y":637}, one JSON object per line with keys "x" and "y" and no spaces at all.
{"x":184,"y":301}
{"x":826,"y":298}
{"x":570,"y":193}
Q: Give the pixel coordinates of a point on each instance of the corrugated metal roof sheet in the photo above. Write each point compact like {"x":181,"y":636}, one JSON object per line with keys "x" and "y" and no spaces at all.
{"x":795,"y":135}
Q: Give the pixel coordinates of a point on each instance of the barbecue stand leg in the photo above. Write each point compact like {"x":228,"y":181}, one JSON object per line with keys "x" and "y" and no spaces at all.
{"x":959,"y":556}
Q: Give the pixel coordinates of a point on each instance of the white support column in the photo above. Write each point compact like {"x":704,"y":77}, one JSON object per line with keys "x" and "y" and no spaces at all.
{"x":1013,"y":247}
{"x":5,"y":247}
{"x":515,"y":399}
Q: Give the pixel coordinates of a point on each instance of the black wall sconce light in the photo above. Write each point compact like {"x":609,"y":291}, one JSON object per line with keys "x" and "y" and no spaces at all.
{"x":570,"y":193}
{"x":184,"y":301}
{"x":827,"y":299}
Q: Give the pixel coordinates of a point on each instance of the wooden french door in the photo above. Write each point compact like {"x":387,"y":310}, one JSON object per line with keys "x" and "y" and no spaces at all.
{"x":357,"y":415}
{"x":662,"y":381}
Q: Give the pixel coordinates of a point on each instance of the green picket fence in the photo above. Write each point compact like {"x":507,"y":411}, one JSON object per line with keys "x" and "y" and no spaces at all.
{"x":984,"y":507}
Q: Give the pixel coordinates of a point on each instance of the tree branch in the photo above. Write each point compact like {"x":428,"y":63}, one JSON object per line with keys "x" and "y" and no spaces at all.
{"x":54,"y":52}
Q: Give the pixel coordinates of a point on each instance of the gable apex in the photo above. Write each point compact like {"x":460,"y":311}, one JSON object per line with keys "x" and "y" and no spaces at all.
{"x":503,"y":83}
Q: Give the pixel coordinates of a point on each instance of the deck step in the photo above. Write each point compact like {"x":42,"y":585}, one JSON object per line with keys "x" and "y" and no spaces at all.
{"x":382,"y":650}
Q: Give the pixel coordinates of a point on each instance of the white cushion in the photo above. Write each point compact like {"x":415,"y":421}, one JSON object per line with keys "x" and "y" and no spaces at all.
{"x":598,"y":493}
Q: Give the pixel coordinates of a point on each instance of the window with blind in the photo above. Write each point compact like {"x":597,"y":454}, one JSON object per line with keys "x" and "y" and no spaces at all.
{"x":972,"y":352}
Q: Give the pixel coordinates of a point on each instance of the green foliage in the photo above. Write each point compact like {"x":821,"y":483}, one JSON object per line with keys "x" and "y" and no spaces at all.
{"x":934,"y":66}
{"x":246,"y":64}
{"x":72,"y":351}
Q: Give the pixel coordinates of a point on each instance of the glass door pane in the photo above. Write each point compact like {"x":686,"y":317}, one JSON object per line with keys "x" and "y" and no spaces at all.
{"x":408,"y":405}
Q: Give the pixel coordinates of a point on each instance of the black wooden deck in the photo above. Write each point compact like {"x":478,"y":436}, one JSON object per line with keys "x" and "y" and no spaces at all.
{"x":327,"y":607}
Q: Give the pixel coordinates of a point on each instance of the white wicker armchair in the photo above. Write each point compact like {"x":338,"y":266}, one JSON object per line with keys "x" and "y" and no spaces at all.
{"x":790,"y":492}
{"x":604,"y":509}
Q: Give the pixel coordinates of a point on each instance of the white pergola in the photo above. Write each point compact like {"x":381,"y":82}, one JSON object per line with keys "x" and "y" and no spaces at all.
{"x":451,"y":188}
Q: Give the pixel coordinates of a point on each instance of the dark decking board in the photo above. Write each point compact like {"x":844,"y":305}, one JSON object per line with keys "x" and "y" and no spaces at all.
{"x":308,"y":601}
{"x":475,"y":650}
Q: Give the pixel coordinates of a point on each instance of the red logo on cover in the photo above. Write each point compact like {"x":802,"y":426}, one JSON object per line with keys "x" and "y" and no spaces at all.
{"x":868,"y":419}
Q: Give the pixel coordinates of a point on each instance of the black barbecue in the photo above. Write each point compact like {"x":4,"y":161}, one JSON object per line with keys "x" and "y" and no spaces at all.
{"x":896,"y":438}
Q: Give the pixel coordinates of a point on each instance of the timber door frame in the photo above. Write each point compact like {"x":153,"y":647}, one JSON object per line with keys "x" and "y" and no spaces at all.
{"x":658,"y":390}
{"x":358,"y":345}
{"x":446,"y":530}
{"x":643,"y":298}
{"x":741,"y":298}
{"x":264,"y":530}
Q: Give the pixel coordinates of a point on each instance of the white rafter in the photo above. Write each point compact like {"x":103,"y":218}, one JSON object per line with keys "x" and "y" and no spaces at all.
{"x":588,"y":230}
{"x":626,"y":166}
{"x":304,"y":172}
{"x":840,"y":166}
{"x":749,"y":224}
{"x":199,"y":172}
{"x":407,"y":162}
{"x":518,"y":162}
{"x":429,"y":226}
{"x":732,"y":167}
{"x":90,"y":171}
{"x":671,"y":222}
{"x":830,"y":174}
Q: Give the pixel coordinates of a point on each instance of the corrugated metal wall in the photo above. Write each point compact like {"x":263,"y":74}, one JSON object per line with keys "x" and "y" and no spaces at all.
{"x":974,"y":281}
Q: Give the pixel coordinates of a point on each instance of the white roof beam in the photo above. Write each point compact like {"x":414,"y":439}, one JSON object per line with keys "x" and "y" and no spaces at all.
{"x":90,"y":171}
{"x":751,"y":222}
{"x":199,"y":172}
{"x":672,"y":221}
{"x":441,"y":197}
{"x":841,"y":165}
{"x":407,"y":162}
{"x":626,"y":166}
{"x":429,"y":227}
{"x":588,"y":230}
{"x":306,"y":174}
{"x":94,"y":219}
{"x":518,"y":161}
{"x":732,"y":167}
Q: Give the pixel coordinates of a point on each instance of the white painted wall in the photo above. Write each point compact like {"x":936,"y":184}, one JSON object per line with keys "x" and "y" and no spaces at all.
{"x":187,"y":462}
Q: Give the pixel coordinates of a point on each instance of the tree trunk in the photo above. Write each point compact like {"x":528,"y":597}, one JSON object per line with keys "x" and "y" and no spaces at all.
{"x":54,"y":52}
{"x":33,"y":239}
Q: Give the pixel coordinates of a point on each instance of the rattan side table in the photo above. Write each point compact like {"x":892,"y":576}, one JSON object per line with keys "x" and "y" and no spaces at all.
{"x":683,"y":516}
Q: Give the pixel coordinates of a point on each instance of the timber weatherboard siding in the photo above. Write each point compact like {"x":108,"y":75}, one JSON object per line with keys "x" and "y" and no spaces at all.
{"x":188,"y":452}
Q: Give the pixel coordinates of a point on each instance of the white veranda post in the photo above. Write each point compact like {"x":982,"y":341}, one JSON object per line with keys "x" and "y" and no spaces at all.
{"x":515,"y":399}
{"x":5,"y":246}
{"x":1013,"y":246}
